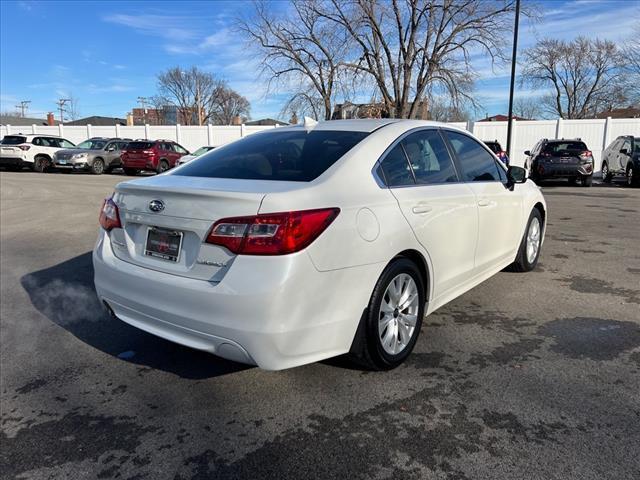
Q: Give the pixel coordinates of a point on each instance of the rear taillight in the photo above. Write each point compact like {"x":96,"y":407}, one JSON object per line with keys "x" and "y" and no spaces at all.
{"x":122,"y":152}
{"x":109,"y":217}
{"x":148,"y":152}
{"x":271,"y":233}
{"x":24,"y":147}
{"x":586,"y":155}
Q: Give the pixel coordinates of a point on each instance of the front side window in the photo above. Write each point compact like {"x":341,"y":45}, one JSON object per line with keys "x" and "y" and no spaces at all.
{"x":179,"y":149}
{"x":293,"y":155}
{"x":477,"y":164}
{"x":626,"y":145}
{"x":66,"y":143}
{"x":396,"y":169}
{"x":429,"y":157}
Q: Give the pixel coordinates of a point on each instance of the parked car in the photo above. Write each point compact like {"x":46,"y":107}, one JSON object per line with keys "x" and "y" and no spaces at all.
{"x":96,"y":155}
{"x":622,"y":157}
{"x":301,"y":243}
{"x":197,"y":153}
{"x":560,"y":158}
{"x":154,"y":155}
{"x":496,"y":148}
{"x":30,"y":150}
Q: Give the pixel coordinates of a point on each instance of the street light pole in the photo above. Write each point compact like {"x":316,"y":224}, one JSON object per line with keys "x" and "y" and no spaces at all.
{"x":513,"y":76}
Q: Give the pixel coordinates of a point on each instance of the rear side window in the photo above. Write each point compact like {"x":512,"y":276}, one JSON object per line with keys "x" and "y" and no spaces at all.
{"x":559,"y":148}
{"x":139,"y":145}
{"x":396,"y":169}
{"x":429,"y":157}
{"x":13,"y":140}
{"x":477,"y":164}
{"x":297,"y":156}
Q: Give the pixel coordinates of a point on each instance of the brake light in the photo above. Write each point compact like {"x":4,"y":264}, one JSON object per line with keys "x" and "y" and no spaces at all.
{"x":148,"y":152}
{"x":271,"y":233}
{"x":109,"y":216}
{"x":122,"y":152}
{"x":24,"y":147}
{"x":586,"y":155}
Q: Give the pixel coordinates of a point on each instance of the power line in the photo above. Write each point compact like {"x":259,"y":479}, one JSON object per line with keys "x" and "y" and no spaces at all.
{"x":24,"y":104}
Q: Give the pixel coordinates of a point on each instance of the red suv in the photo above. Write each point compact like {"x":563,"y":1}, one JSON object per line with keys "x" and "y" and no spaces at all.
{"x":154,"y":155}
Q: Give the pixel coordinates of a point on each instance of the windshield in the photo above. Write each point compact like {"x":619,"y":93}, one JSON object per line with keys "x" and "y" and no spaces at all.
{"x":13,"y":140}
{"x":294,"y":155}
{"x":92,"y":144}
{"x":564,"y":147}
{"x":201,"y":150}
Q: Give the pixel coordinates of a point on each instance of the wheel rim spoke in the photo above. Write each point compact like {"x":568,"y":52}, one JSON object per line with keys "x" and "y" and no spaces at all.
{"x":398,"y":314}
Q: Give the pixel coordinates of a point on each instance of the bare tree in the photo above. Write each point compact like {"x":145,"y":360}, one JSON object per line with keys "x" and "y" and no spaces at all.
{"x":228,"y":106}
{"x":631,"y":62}
{"x":442,"y":110}
{"x":193,"y":91}
{"x":528,"y":108}
{"x":584,"y":76}
{"x":300,"y":50}
{"x":72,"y":108}
{"x":409,"y":48}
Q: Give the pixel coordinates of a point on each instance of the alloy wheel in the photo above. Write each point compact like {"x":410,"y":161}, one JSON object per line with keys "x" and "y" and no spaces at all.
{"x":398,"y":314}
{"x":533,"y":240}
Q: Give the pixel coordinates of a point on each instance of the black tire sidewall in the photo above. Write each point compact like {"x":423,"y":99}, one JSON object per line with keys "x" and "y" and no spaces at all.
{"x":381,"y":358}
{"x":523,"y":246}
{"x":93,"y":166}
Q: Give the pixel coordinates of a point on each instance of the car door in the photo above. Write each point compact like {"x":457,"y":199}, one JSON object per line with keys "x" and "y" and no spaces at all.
{"x":623,"y":158}
{"x":500,"y":216}
{"x":111,"y":153}
{"x":441,"y":210}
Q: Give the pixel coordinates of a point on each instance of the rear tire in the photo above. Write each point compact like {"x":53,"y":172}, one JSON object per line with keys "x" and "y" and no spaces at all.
{"x":97,"y":167}
{"x":586,"y":180}
{"x":606,"y":174}
{"x":132,"y":172}
{"x":529,"y":250}
{"x":163,"y":166}
{"x":390,"y":325}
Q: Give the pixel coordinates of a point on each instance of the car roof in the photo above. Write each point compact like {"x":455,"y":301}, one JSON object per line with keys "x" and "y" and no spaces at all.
{"x":32,"y":135}
{"x":362,"y":125}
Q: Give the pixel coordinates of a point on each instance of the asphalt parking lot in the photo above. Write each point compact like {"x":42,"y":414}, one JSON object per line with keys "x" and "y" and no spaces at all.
{"x":528,"y":376}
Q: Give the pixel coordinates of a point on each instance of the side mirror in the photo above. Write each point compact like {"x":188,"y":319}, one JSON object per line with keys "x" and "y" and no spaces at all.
{"x":111,"y":148}
{"x":516,"y":175}
{"x":527,"y":153}
{"x":624,"y":151}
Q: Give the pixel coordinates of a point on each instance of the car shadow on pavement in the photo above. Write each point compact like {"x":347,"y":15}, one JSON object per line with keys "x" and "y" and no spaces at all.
{"x":65,"y":294}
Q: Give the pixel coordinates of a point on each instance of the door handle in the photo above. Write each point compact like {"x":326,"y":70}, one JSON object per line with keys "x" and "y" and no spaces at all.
{"x":421,"y":209}
{"x":484,"y":203}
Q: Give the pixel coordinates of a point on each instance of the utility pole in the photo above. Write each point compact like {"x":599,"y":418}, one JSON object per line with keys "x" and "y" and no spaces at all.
{"x":24,"y":104}
{"x":513,"y":76}
{"x":61,"y":103}
{"x":143,"y":101}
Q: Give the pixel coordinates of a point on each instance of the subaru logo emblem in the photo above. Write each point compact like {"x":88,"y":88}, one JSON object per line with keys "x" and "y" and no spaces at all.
{"x":156,"y":206}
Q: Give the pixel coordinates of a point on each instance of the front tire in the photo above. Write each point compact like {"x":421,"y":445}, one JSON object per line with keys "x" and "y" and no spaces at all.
{"x":163,"y":166}
{"x":97,"y":167}
{"x":529,"y":251}
{"x":391,"y":323}
{"x":633,"y":176}
{"x":41,"y":164}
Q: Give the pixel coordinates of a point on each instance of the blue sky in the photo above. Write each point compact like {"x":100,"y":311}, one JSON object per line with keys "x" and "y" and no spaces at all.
{"x":106,"y":54}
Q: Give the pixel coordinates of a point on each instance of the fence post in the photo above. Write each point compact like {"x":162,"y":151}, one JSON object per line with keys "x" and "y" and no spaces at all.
{"x":470,"y":126}
{"x":559,"y":126}
{"x":88,"y":130}
{"x":178,"y":133}
{"x":117,"y":130}
{"x":146,"y":131}
{"x":241,"y":130}
{"x":607,"y":133}
{"x":209,"y":134}
{"x":61,"y":130}
{"x":33,"y":128}
{"x":8,"y":129}
{"x":514,"y":138}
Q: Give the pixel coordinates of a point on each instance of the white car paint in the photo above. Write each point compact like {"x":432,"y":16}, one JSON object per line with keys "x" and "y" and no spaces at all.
{"x":35,"y":145}
{"x":287,"y":310}
{"x":187,"y":158}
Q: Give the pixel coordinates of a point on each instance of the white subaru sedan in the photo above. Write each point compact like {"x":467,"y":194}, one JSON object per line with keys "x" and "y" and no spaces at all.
{"x":301,"y":243}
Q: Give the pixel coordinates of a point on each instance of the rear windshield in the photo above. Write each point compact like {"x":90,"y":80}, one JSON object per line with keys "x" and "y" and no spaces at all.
{"x":92,"y":144}
{"x":297,"y":156}
{"x":493,"y":146}
{"x":139,"y":145}
{"x":561,"y":147}
{"x":13,"y":140}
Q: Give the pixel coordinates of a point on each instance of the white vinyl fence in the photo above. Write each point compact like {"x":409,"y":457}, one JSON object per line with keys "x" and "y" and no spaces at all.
{"x":596,"y":133}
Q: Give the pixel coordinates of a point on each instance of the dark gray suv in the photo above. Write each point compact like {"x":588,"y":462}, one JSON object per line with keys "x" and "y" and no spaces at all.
{"x":560,"y":158}
{"x":96,"y":155}
{"x":622,"y":157}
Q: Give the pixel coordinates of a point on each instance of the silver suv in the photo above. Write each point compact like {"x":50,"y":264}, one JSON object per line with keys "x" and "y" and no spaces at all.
{"x":96,"y":155}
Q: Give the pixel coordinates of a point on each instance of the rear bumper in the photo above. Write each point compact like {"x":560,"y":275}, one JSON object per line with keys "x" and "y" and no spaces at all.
{"x":140,"y":164}
{"x":551,"y":170}
{"x":14,"y":162}
{"x":274,"y":312}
